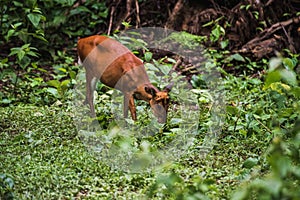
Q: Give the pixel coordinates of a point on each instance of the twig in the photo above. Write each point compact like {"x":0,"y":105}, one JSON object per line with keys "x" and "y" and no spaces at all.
{"x":235,"y":123}
{"x":189,"y":69}
{"x":128,"y":8}
{"x":269,"y":2}
{"x":127,"y":14}
{"x":174,"y":13}
{"x":138,"y":20}
{"x":112,"y":11}
{"x":263,"y":125}
{"x":78,"y":3}
{"x":216,"y":6}
{"x":178,"y":62}
{"x":291,"y":44}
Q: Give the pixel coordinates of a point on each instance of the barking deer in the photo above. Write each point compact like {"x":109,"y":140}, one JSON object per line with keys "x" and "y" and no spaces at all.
{"x":116,"y":66}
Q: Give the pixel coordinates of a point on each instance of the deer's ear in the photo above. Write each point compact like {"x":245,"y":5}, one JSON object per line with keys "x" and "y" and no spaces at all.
{"x":150,"y":90}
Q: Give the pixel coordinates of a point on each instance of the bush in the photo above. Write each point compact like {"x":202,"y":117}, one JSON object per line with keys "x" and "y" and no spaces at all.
{"x":283,"y":156}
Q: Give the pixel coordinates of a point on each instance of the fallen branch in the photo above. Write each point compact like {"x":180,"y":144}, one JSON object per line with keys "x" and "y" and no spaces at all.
{"x":267,"y":32}
{"x":176,"y":10}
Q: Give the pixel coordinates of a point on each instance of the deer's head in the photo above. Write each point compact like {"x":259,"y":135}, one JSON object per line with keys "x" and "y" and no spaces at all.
{"x":159,"y":102}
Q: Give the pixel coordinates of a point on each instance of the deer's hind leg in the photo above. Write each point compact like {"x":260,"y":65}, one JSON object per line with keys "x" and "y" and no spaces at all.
{"x":90,"y":88}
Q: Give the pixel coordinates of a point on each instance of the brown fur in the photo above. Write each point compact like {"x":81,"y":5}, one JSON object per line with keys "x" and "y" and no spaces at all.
{"x":116,"y":66}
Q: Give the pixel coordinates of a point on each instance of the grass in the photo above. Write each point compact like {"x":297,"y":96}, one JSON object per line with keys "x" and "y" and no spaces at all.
{"x":43,"y":157}
{"x":42,"y":154}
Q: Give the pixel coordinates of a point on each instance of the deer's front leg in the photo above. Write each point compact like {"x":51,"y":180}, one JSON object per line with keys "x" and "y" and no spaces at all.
{"x":129,"y":104}
{"x":126,"y":105}
{"x":132,"y":108}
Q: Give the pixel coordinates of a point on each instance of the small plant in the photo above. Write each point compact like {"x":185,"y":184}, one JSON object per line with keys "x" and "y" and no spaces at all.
{"x":63,"y":78}
{"x":23,"y":54}
{"x":218,"y":32}
{"x":283,"y":156}
{"x":6,"y":187}
{"x":172,"y":186}
{"x":185,"y":40}
{"x":23,"y":20}
{"x":283,"y":181}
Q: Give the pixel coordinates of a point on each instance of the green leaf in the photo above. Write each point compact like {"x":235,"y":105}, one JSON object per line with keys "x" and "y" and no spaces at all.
{"x":72,"y":74}
{"x":232,"y":110}
{"x":34,"y":19}
{"x":62,"y":70}
{"x":21,"y":55}
{"x":289,"y":76}
{"x":31,"y":53}
{"x":24,"y":35}
{"x":14,"y":51}
{"x":41,"y":38}
{"x":9,"y":34}
{"x":171,"y":60}
{"x":272,"y":77}
{"x":6,"y":101}
{"x":255,"y":81}
{"x":17,"y":4}
{"x":250,"y":162}
{"x":165,"y":69}
{"x":53,"y":91}
{"x":66,"y":2}
{"x":104,"y":13}
{"x":224,"y":44}
{"x":54,"y":83}
{"x":151,"y":67}
{"x":279,"y":87}
{"x":215,"y":34}
{"x":64,"y":84}
{"x":25,"y":46}
{"x":59,"y":19}
{"x":80,"y":10}
{"x":37,"y":10}
{"x":148,"y":56}
{"x":3,"y":61}
{"x":25,"y":62}
{"x":256,"y":14}
{"x":16,"y":25}
{"x":289,"y":63}
{"x":237,"y":57}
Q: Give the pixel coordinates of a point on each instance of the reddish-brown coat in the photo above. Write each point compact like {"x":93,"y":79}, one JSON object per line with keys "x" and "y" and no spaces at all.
{"x":114,"y":65}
